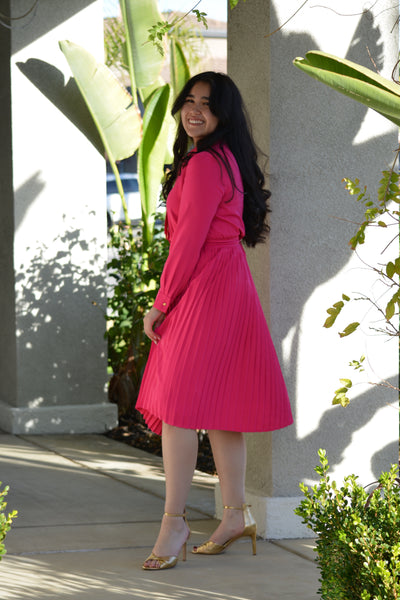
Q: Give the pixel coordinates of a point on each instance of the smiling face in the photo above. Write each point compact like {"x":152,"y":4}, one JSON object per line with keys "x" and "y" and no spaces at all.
{"x":196,"y":116}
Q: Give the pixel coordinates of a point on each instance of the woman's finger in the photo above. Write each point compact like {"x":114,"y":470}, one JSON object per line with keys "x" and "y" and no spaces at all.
{"x":152,"y":320}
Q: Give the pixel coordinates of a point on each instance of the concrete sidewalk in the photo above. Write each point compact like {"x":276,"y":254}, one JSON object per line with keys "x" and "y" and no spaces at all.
{"x":89,"y":511}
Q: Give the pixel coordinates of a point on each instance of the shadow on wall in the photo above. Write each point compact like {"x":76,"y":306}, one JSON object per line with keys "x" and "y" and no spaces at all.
{"x":27,"y":194}
{"x":40,"y":20}
{"x":64,"y":271}
{"x":344,"y":425}
{"x":50,"y":81}
{"x":46,"y":284}
{"x":310,"y":248}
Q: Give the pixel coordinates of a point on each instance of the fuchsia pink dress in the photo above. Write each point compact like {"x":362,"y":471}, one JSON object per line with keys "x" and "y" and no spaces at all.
{"x":215,"y":366}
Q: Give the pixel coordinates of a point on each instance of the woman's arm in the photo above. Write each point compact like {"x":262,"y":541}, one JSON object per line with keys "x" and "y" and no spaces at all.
{"x":202,"y":192}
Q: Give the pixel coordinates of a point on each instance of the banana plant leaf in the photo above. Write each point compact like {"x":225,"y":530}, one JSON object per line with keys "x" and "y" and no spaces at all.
{"x":355,"y":81}
{"x":179,"y":75}
{"x":118,"y":120}
{"x":151,"y":156}
{"x":146,"y":92}
{"x":179,"y":68}
{"x":144,"y":59}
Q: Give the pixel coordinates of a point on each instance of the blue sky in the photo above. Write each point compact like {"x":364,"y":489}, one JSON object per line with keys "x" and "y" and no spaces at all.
{"x":215,"y":9}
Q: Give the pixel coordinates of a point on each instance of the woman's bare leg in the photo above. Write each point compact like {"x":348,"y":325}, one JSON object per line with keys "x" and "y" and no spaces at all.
{"x":180,"y":447}
{"x":229,"y":450}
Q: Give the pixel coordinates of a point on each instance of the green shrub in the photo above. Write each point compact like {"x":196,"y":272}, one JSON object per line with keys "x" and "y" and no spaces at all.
{"x":358,"y":545}
{"x":5,"y":519}
{"x":136,"y":274}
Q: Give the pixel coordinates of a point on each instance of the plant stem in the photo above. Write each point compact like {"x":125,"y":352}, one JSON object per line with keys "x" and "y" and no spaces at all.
{"x":121,"y":193}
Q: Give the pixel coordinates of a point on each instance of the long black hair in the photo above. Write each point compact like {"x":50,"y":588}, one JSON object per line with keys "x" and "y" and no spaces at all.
{"x":233,"y":130}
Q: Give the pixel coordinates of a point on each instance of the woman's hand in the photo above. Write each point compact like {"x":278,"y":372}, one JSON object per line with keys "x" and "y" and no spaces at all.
{"x":151,"y":321}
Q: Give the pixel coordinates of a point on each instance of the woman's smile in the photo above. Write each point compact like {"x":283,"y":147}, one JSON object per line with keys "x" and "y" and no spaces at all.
{"x":197,"y":118}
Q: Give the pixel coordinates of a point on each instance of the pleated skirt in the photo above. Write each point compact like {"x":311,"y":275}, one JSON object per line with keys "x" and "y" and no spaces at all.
{"x":215,"y":366}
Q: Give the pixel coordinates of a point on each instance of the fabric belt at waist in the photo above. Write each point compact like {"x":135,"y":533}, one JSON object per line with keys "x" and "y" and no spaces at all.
{"x":224,"y":243}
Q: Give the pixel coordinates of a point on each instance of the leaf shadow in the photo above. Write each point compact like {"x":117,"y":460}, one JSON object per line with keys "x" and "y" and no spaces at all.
{"x":50,"y":81}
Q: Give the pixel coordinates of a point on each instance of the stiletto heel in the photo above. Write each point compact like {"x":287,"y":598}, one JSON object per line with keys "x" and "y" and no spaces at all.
{"x":250,"y":530}
{"x":184,"y":552}
{"x":167,"y":562}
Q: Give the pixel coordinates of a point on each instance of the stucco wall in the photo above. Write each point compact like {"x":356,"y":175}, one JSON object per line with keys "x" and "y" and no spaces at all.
{"x":314,"y":137}
{"x":53,"y":210}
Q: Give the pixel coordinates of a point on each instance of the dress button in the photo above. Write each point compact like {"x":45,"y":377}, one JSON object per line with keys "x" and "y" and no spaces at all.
{"x":164,"y":304}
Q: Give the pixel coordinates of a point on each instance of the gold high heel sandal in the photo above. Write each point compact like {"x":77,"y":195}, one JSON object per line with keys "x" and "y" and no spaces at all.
{"x":167,"y":562}
{"x":250,"y":530}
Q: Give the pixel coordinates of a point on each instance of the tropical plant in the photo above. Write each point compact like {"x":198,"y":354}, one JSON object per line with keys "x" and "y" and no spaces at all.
{"x":118,"y":121}
{"x":6,"y":519}
{"x":190,"y":40}
{"x":143,"y":61}
{"x":355,"y":81}
{"x":173,"y":28}
{"x":383,"y":96}
{"x":135,"y":273}
{"x":358,"y":544}
{"x":138,"y":254}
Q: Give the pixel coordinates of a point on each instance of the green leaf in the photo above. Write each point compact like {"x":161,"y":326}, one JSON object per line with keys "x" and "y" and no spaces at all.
{"x":201,"y":17}
{"x":341,"y":391}
{"x":157,"y":33}
{"x":117,"y":119}
{"x":342,"y":400}
{"x":349,"y":329}
{"x":179,"y":68}
{"x":151,"y":156}
{"x":390,"y":269}
{"x":329,"y":321}
{"x":144,"y":59}
{"x":148,"y":91}
{"x":357,"y":364}
{"x":390,"y":308}
{"x":339,"y":305}
{"x":355,"y":81}
{"x":346,"y":382}
{"x":333,"y":312}
{"x":179,"y":75}
{"x":352,"y":186}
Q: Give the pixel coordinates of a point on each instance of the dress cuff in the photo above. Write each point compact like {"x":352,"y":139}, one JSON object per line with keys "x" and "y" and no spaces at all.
{"x":162,"y":302}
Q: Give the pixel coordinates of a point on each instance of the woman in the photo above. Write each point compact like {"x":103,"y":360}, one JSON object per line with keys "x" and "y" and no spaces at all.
{"x":212,"y":364}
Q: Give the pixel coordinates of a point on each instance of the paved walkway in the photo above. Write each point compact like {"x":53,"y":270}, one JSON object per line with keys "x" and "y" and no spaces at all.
{"x":89,"y":511}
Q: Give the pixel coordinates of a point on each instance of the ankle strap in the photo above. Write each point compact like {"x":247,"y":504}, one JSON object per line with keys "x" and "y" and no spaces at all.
{"x":167,"y":514}
{"x":243,"y":507}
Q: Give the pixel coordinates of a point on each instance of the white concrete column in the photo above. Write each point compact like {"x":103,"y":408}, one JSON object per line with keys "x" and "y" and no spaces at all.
{"x":314,"y":137}
{"x":53,"y":219}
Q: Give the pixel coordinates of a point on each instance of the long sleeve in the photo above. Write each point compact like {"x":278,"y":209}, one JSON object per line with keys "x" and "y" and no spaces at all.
{"x":202,"y":192}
